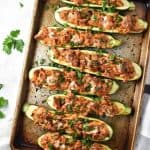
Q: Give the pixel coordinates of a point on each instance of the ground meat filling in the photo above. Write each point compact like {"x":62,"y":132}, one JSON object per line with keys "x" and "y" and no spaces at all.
{"x":57,"y":141}
{"x":82,"y":127}
{"x":72,"y":38}
{"x":80,"y":105}
{"x":70,"y":80}
{"x":108,"y":65}
{"x":117,"y":3}
{"x":93,"y":18}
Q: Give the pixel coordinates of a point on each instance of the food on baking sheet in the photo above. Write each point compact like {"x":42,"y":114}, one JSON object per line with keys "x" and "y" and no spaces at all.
{"x":54,"y":140}
{"x":85,"y":127}
{"x":85,"y":105}
{"x":96,"y":20}
{"x":69,"y":37}
{"x":100,"y":64}
{"x":116,"y":4}
{"x":59,"y":79}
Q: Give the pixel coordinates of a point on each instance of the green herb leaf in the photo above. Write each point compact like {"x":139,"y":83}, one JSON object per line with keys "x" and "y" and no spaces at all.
{"x":51,"y":146}
{"x":19,"y":44}
{"x":69,"y":108}
{"x":8,"y":44}
{"x":87,"y":128}
{"x":15,"y":33}
{"x":111,"y":9}
{"x":2,"y":115}
{"x":21,"y":4}
{"x":11,"y":42}
{"x":112,"y":57}
{"x":1,"y":86}
{"x":3,"y":102}
{"x":88,"y":88}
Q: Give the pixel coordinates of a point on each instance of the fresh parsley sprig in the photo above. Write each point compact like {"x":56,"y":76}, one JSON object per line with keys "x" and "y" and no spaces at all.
{"x":12,"y":42}
{"x":3,"y":103}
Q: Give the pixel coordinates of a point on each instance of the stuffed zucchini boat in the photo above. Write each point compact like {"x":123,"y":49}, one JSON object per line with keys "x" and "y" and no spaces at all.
{"x":96,"y":20}
{"x":100,"y":64}
{"x":84,"y":105}
{"x":85,"y":127}
{"x":58,"y":79}
{"x":53,"y":140}
{"x":68,"y":37}
{"x":117,"y":4}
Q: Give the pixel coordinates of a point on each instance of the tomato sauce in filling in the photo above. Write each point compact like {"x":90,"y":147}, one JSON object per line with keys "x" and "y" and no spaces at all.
{"x":71,"y":37}
{"x":93,"y":18}
{"x":70,"y":123}
{"x":108,"y":65}
{"x":57,"y":141}
{"x":83,"y":106}
{"x":71,"y":80}
{"x":117,"y":3}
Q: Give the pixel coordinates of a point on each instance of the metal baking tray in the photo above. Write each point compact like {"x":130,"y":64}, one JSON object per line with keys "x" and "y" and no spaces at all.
{"x":135,"y":46}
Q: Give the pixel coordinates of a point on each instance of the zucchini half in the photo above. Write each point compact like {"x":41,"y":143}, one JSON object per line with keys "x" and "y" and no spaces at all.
{"x":114,"y":88}
{"x":122,"y":109}
{"x":69,"y":142}
{"x":44,"y":37}
{"x":143,"y":24}
{"x":137,"y":68}
{"x":96,"y":123}
{"x":126,"y":5}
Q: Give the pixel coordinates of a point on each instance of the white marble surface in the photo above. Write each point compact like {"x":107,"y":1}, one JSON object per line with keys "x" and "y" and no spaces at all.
{"x":12,"y":16}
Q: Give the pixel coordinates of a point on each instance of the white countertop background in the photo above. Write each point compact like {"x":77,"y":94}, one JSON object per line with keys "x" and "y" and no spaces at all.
{"x":12,"y":17}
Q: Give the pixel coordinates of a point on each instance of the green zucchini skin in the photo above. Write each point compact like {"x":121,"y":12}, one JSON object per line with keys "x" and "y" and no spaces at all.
{"x":124,"y":110}
{"x":137,"y":68}
{"x":126,"y":5}
{"x":113,"y":90}
{"x":141,"y":22}
{"x":112,"y":41}
{"x":29,"y":109}
{"x":69,"y":139}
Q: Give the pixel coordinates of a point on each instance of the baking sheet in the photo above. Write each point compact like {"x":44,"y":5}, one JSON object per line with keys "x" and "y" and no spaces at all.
{"x":135,"y":47}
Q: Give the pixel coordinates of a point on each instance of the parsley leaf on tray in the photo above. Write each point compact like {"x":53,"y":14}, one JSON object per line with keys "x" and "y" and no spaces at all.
{"x":11,"y":42}
{"x":1,"y":86}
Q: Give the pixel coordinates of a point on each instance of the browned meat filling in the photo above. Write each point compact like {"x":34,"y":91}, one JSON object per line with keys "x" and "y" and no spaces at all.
{"x":106,"y":65}
{"x":70,"y":37}
{"x":57,"y":141}
{"x":71,"y":80}
{"x":89,"y":17}
{"x":94,"y":130}
{"x":74,"y":104}
{"x":116,"y":3}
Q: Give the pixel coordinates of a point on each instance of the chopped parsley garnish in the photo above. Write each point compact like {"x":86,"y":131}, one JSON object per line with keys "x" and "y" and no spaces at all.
{"x":11,"y":42}
{"x":112,"y":57}
{"x":94,"y":17}
{"x":42,"y":61}
{"x":88,"y":88}
{"x":71,"y":123}
{"x":59,"y":112}
{"x":69,"y":108}
{"x":111,"y":9}
{"x":104,"y":3}
{"x":61,"y":78}
{"x":80,"y":75}
{"x":75,"y":92}
{"x":3,"y":102}
{"x":87,"y":128}
{"x":51,"y":147}
{"x":87,"y":141}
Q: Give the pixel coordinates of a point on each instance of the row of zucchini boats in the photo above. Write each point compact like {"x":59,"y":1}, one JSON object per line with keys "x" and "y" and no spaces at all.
{"x":86,"y":74}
